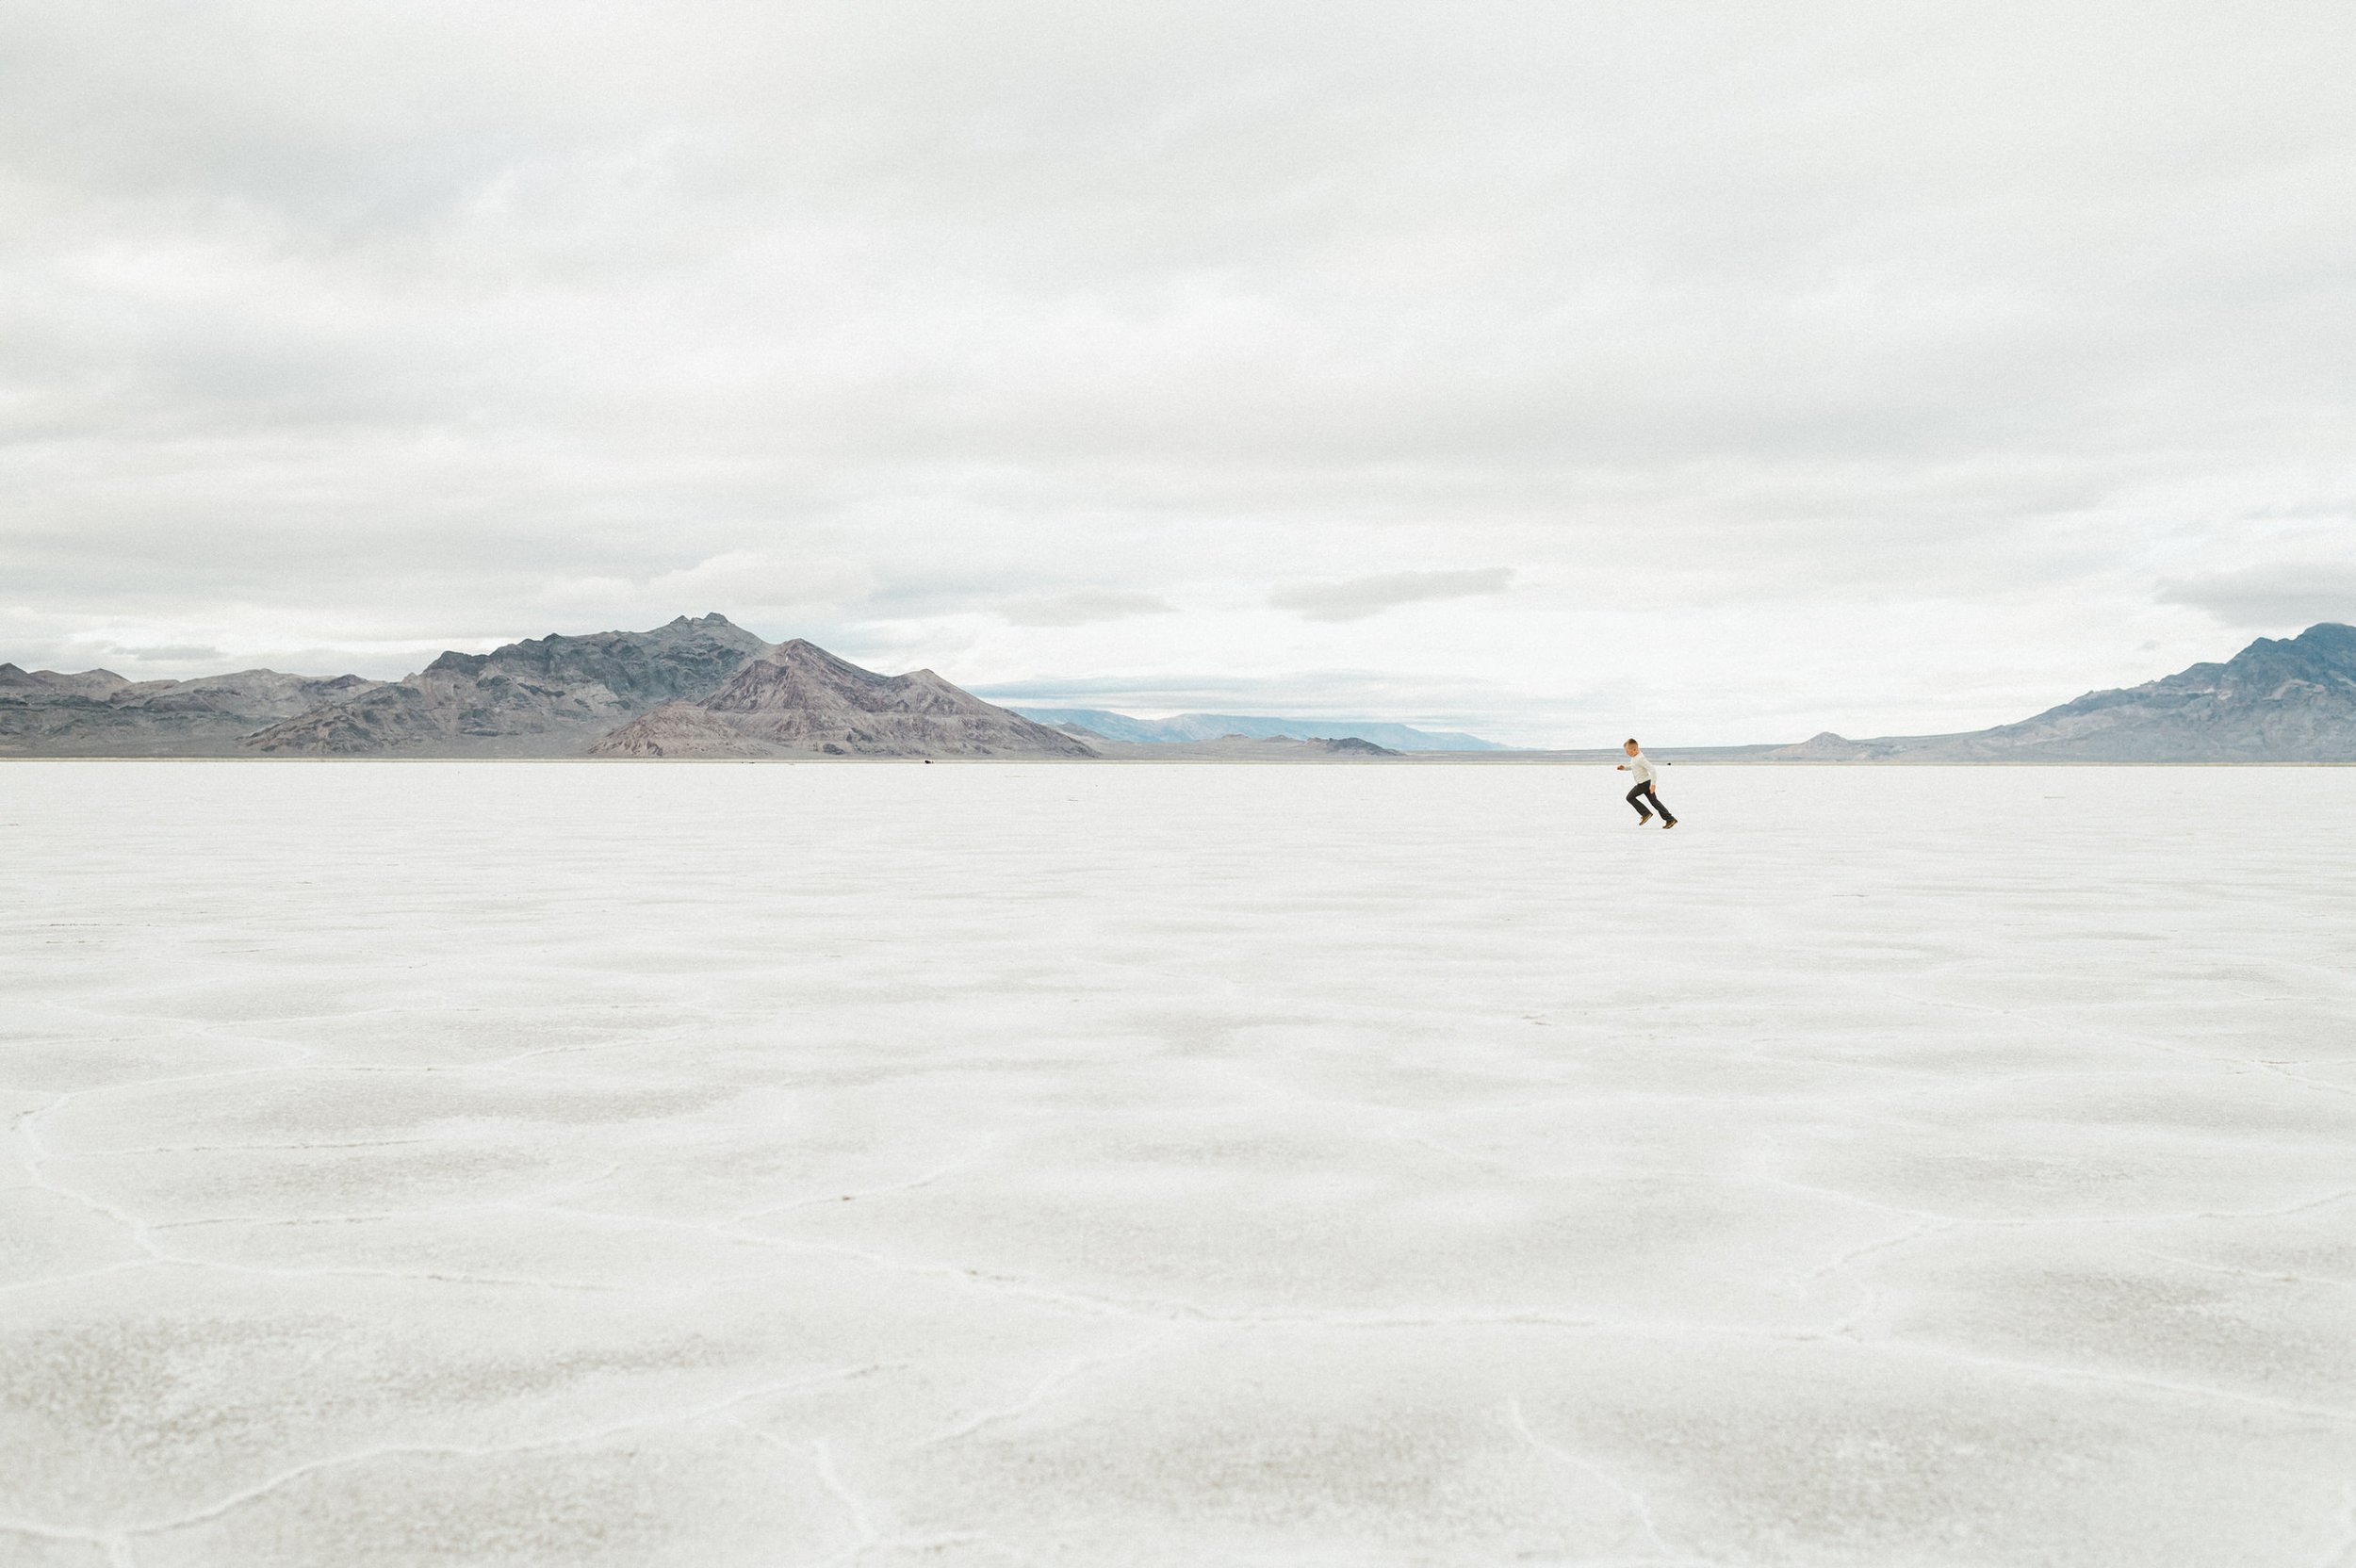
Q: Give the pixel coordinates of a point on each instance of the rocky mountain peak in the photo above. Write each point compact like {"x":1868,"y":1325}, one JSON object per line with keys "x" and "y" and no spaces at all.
{"x":541,"y":695}
{"x":798,"y":698}
{"x":89,"y":683}
{"x":2325,"y":649}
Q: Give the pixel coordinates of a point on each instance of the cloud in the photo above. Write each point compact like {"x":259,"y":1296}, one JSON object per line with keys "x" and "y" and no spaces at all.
{"x":169,"y":653}
{"x":765,"y":581}
{"x":751,"y":583}
{"x":1083,"y":607}
{"x":2287,"y":596}
{"x":1816,"y":366}
{"x":1355,"y":598}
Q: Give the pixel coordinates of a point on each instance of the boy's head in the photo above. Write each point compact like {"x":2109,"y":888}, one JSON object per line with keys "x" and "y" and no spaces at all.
{"x":1630,"y":748}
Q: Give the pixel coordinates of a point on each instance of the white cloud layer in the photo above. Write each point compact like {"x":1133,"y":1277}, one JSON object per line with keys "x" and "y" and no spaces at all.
{"x":1808,"y":366}
{"x":2281,"y":592}
{"x":1084,"y":607}
{"x":1355,"y":598}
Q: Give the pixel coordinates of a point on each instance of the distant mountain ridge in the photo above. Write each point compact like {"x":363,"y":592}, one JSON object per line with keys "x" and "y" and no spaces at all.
{"x":705,"y":687}
{"x":2278,"y":700}
{"x":543,"y":696}
{"x":99,"y":713}
{"x":1213,"y":726}
{"x":797,"y":698}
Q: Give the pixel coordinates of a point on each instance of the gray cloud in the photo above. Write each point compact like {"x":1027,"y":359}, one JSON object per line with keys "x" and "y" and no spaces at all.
{"x":2287,"y":596}
{"x":1083,"y":607}
{"x":1866,"y":368}
{"x":1355,"y":598}
{"x":170,"y":654}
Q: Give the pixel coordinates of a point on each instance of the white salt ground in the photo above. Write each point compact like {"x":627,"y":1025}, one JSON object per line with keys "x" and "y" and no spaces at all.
{"x":435,"y":1164}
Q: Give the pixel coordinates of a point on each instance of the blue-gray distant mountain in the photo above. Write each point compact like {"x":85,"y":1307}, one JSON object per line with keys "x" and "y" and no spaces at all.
{"x":1212,"y":727}
{"x":2278,"y":700}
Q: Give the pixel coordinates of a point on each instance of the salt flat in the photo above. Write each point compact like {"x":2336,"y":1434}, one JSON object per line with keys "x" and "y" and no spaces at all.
{"x":425,"y":1162}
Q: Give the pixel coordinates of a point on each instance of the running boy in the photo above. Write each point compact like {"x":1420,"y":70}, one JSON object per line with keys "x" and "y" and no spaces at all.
{"x":1641,"y":766}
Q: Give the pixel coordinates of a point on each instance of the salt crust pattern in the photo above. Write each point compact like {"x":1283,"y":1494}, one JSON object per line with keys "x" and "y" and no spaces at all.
{"x":566,"y":1164}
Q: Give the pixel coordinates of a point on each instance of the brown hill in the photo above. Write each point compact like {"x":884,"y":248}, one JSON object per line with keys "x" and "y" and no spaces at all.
{"x":797,"y":699}
{"x":543,"y":696}
{"x":99,"y":713}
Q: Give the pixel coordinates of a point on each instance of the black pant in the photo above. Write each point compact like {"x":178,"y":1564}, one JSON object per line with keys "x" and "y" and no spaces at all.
{"x":1644,"y":791}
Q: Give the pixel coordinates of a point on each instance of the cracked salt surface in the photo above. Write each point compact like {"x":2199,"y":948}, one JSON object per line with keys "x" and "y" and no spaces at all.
{"x":469,"y":1163}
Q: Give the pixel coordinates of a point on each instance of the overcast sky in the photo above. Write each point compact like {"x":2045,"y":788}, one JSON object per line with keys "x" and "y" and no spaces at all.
{"x":1558,"y":371}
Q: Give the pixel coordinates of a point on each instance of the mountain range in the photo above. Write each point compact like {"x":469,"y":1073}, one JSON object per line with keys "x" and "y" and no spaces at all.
{"x":1215,"y":727}
{"x":797,"y":699}
{"x":705,"y":687}
{"x":99,"y":713}
{"x":701,"y":687}
{"x":2289,"y":699}
{"x":545,"y":696}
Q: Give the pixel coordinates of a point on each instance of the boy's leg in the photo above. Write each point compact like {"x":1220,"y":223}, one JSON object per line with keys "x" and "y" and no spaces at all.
{"x":1635,"y":790}
{"x":1653,"y":796}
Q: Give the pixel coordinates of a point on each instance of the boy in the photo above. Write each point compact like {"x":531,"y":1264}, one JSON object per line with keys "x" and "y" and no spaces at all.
{"x":1641,"y":766}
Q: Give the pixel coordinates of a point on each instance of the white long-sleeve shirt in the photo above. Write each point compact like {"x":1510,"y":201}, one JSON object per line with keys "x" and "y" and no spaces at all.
{"x":1638,"y":769}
